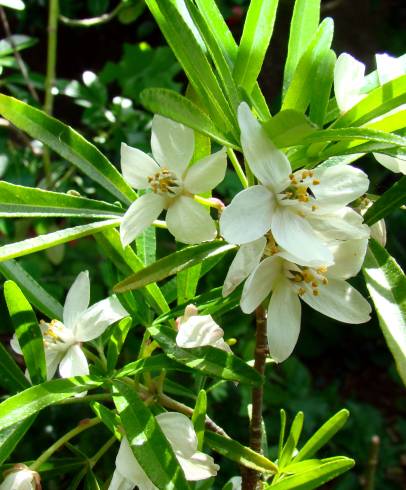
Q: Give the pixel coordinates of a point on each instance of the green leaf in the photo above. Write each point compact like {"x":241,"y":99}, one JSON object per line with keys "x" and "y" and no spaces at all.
{"x":193,"y":60}
{"x":69,"y":144}
{"x":226,"y":42}
{"x":303,"y":26}
{"x":109,"y":418}
{"x":291,"y":442}
{"x":116,"y":341}
{"x":12,"y":378}
{"x":256,"y":35}
{"x":126,"y":261}
{"x":35,"y":398}
{"x":186,"y":283}
{"x":17,"y":201}
{"x":28,"y":332}
{"x":321,"y":88}
{"x":208,"y":360}
{"x":322,"y":435}
{"x":91,"y":482}
{"x":153,"y":363}
{"x":390,"y":200}
{"x":380,"y":101}
{"x":32,"y":290}
{"x":241,"y":454}
{"x":146,"y":245}
{"x":199,"y":417}
{"x":20,"y":42}
{"x":299,"y":93}
{"x":217,"y":54}
{"x":173,"y":263}
{"x":148,"y":443}
{"x":43,"y":242}
{"x":10,"y":437}
{"x":282,"y":414}
{"x":386,"y":284}
{"x":315,"y":477}
{"x":170,"y":104}
{"x":288,"y":128}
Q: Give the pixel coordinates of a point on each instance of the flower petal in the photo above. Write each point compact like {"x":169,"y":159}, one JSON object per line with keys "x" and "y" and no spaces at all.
{"x":77,"y":300}
{"x":268,"y":164}
{"x":343,"y":224}
{"x":296,"y":236}
{"x":207,"y":173}
{"x":248,"y":216}
{"x":199,"y":466}
{"x":172,"y":144}
{"x":189,"y":221}
{"x":136,"y":166}
{"x":52,"y":360}
{"x":340,"y":301}
{"x":22,"y":479}
{"x":139,"y":216}
{"x":198,"y":331}
{"x":245,"y":261}
{"x":179,"y":431}
{"x":397,"y":165}
{"x":339,"y":185}
{"x":15,"y":345}
{"x":283,"y":323}
{"x":94,"y":321}
{"x":74,"y":363}
{"x":348,"y":258}
{"x":260,"y":283}
{"x":389,"y":67}
{"x":129,"y":468}
{"x":348,"y":80}
{"x":120,"y":482}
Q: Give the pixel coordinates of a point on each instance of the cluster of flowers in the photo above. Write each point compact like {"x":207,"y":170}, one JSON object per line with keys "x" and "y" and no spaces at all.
{"x":298,"y":238}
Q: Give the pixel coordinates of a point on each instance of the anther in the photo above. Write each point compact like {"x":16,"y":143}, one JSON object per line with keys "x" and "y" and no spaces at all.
{"x":316,"y":181}
{"x":315,"y":292}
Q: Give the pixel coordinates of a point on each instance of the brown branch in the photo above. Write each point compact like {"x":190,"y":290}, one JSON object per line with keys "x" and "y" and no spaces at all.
{"x":369,"y":479}
{"x":250,"y":478}
{"x":17,"y":55}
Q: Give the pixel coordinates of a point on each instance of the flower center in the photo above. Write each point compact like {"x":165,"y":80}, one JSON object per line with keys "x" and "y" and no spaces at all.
{"x":299,"y":187}
{"x":271,"y":247}
{"x":306,"y":279}
{"x":165,"y":183}
{"x":55,"y":334}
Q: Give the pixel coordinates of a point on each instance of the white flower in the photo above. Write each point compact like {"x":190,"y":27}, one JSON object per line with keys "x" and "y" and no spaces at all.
{"x":21,"y":478}
{"x":81,"y":323}
{"x":349,"y":78}
{"x":179,"y":431}
{"x":303,"y":210}
{"x":196,"y":330}
{"x":323,"y":288}
{"x":173,"y":183}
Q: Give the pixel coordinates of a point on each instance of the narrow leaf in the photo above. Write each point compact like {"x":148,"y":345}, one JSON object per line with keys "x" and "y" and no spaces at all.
{"x":386,"y":284}
{"x":303,"y":26}
{"x":32,"y":290}
{"x":170,"y":104}
{"x":389,"y":201}
{"x":149,"y":445}
{"x":109,"y":418}
{"x":207,"y":360}
{"x":288,"y":128}
{"x":152,"y":363}
{"x":28,"y":332}
{"x":241,"y":454}
{"x":199,"y":417}
{"x":315,"y":477}
{"x":321,"y":89}
{"x":10,"y":437}
{"x":292,"y":440}
{"x":18,"y":201}
{"x":116,"y":341}
{"x":69,"y":144}
{"x":35,"y":398}
{"x":322,"y":435}
{"x":173,"y":263}
{"x":43,"y":242}
{"x":256,"y":35}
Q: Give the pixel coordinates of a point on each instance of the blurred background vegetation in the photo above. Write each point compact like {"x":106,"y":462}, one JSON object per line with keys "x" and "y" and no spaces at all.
{"x":100,"y":73}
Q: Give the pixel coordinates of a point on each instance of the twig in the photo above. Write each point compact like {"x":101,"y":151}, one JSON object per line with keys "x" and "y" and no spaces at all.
{"x":250,"y":478}
{"x":369,"y":482}
{"x":17,"y":55}
{"x":50,"y":78}
{"x":93,"y":21}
